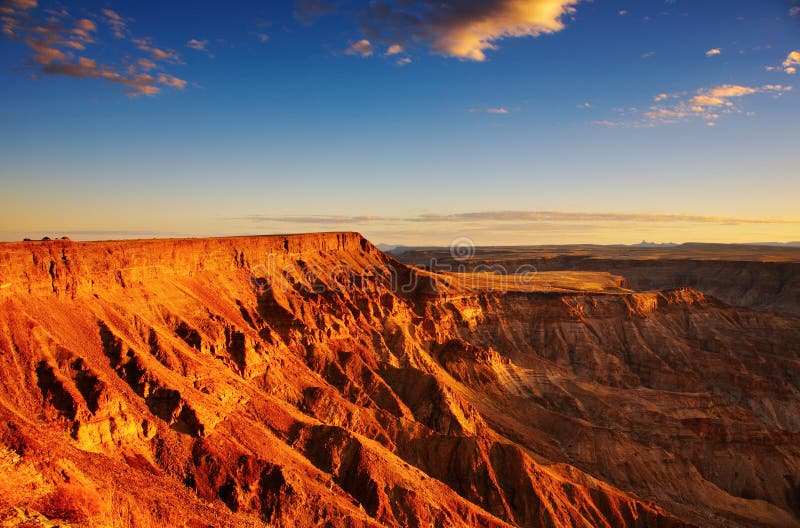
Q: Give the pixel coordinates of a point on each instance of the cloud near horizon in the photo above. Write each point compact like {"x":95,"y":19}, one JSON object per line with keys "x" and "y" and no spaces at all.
{"x":59,"y":46}
{"x":529,"y":217}
{"x":464,"y":29}
{"x":518,"y":227}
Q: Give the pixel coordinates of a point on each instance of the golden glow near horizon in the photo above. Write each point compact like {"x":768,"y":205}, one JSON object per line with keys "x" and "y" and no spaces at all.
{"x":485,"y":228}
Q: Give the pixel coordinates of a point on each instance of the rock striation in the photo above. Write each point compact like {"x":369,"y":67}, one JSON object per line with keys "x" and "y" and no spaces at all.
{"x":760,"y":277}
{"x":311,"y":380}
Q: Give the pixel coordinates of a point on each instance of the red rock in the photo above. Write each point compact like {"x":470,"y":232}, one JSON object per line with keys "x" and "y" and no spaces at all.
{"x":284,"y":380}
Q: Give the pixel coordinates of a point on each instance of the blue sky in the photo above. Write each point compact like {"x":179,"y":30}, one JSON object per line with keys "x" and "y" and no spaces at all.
{"x":508,"y":121}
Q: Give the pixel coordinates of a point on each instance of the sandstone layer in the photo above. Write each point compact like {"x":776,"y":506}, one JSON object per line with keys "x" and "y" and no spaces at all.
{"x":764,"y":278}
{"x":311,"y":380}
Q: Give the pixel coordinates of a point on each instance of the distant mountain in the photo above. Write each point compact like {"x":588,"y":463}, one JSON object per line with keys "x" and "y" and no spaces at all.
{"x":779,"y":244}
{"x":399,"y":250}
{"x":646,"y":244}
{"x":387,"y":248}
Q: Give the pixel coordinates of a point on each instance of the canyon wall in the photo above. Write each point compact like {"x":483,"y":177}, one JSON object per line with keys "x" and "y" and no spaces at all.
{"x":738,"y":279}
{"x":312,"y":380}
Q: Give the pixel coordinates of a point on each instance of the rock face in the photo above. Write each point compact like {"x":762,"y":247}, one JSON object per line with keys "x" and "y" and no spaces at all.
{"x":759,"y":277}
{"x":311,"y":380}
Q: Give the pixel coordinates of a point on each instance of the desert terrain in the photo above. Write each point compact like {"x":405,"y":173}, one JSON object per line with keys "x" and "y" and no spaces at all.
{"x":763,"y":277}
{"x":312,"y":380}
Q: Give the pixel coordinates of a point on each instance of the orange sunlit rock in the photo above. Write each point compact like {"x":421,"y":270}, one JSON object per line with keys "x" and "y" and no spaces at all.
{"x":313,"y":380}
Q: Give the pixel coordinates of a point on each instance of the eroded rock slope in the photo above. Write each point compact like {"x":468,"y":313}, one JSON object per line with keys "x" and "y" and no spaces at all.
{"x":311,"y":380}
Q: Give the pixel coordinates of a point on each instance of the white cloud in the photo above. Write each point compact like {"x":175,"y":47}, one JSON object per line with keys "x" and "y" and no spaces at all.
{"x":497,"y":110}
{"x":199,"y":45}
{"x":158,"y":54}
{"x":60,"y":46}
{"x":362,"y":48}
{"x":395,"y":49}
{"x":466,"y":29}
{"x":118,"y":24}
{"x":713,"y":51}
{"x":708,"y":104}
{"x":792,"y":60}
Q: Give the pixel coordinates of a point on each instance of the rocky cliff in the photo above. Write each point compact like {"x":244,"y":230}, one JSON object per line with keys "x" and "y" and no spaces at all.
{"x":311,"y":380}
{"x":762,"y":278}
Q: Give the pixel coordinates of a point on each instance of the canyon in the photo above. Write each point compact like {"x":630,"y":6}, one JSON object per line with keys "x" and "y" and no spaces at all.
{"x":313,"y":380}
{"x":765,"y":278}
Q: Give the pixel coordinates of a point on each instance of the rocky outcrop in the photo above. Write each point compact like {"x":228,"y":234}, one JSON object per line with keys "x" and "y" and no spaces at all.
{"x":761,"y":278}
{"x":312,"y":380}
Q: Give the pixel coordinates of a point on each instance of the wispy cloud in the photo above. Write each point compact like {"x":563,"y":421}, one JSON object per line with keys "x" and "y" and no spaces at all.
{"x":157,"y":53}
{"x":497,"y":110}
{"x":146,"y":64}
{"x":394,"y":49}
{"x":316,"y":219}
{"x":713,"y":51}
{"x":528,"y":217}
{"x":197,"y":45}
{"x":789,"y":65}
{"x":308,"y":10}
{"x":118,"y":24}
{"x":791,"y":62}
{"x":568,"y":216}
{"x":59,"y":46}
{"x":20,"y":4}
{"x":708,"y":104}
{"x":362,"y":48}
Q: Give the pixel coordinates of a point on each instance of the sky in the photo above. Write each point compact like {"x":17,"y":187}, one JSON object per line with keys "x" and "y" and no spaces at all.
{"x":414,"y":122}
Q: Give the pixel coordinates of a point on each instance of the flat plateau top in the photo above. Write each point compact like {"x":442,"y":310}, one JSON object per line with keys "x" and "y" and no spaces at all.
{"x":173,"y":240}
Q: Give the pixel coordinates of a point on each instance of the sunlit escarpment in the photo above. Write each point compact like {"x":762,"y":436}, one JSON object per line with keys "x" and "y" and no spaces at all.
{"x":282,"y":380}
